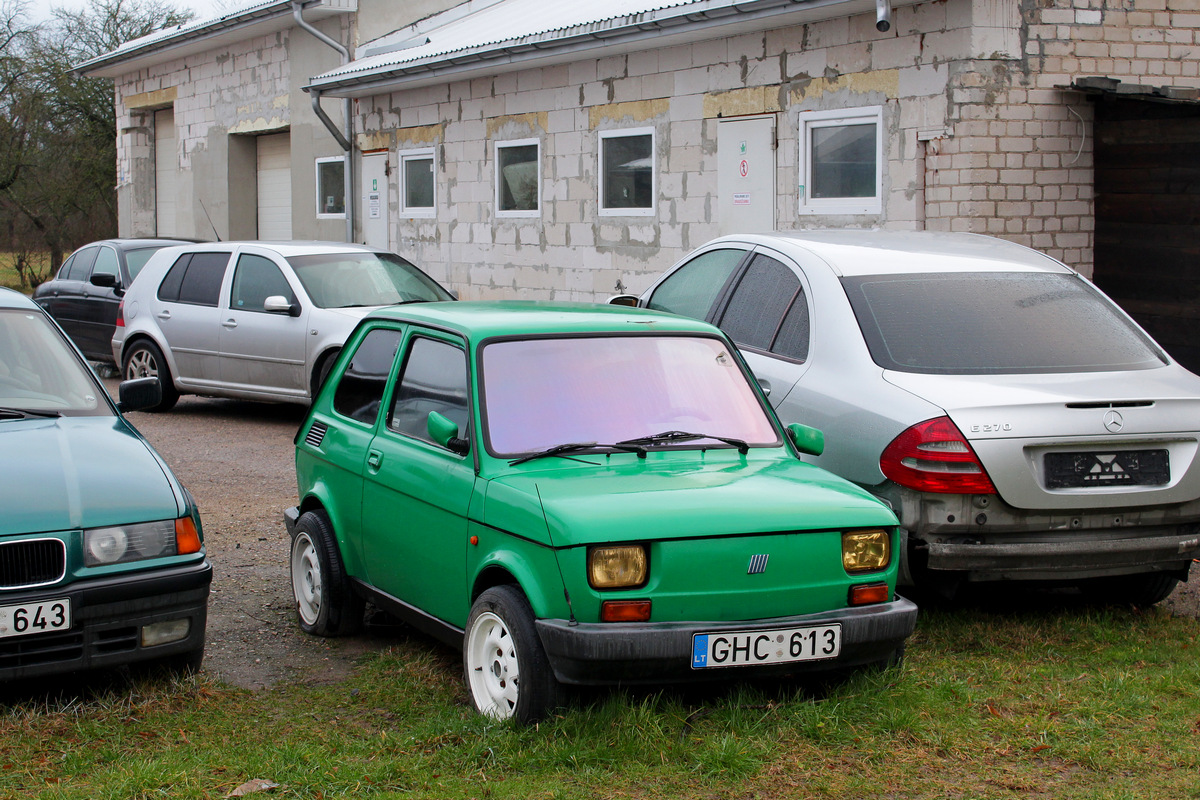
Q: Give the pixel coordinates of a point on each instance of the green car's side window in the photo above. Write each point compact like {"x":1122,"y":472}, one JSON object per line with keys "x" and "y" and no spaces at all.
{"x":434,"y":379}
{"x":360,"y":391}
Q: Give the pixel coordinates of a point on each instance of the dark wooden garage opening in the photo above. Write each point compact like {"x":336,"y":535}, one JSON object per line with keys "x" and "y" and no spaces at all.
{"x":1147,"y":257}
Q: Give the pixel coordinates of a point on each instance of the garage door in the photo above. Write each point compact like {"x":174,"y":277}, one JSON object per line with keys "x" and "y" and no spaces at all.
{"x":1147,"y":255}
{"x":166,"y":168}
{"x":275,"y":186}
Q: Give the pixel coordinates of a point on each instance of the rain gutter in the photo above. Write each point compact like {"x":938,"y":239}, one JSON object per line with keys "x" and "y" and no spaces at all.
{"x":345,"y":137}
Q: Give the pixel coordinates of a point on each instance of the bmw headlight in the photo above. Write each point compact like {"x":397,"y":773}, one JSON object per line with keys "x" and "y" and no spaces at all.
{"x":121,"y":543}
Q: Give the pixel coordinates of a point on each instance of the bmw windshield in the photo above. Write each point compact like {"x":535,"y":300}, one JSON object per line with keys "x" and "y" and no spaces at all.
{"x":40,"y":375}
{"x":633,"y":391}
{"x":350,"y":280}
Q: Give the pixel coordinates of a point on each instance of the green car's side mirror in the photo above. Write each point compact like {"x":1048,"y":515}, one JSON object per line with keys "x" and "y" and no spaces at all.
{"x":807,"y":440}
{"x":445,"y":432}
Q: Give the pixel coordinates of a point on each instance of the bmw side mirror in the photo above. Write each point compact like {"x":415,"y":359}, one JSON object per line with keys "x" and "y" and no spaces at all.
{"x":139,"y":393}
{"x":630,"y":300}
{"x":278,"y":304}
{"x":807,"y":440}
{"x":445,"y":432}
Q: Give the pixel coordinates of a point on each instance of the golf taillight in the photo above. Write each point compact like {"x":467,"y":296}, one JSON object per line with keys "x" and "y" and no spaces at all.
{"x":121,"y":314}
{"x":934,"y":456}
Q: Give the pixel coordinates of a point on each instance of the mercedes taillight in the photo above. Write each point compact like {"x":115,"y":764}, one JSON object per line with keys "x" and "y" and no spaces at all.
{"x":934,"y":456}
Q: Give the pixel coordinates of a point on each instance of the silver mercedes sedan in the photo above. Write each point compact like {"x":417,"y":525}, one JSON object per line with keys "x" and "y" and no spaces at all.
{"x":254,"y":320}
{"x":1019,"y":423}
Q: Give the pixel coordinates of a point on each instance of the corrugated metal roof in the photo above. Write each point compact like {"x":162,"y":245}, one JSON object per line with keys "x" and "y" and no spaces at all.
{"x":203,"y":31}
{"x":485,"y":29}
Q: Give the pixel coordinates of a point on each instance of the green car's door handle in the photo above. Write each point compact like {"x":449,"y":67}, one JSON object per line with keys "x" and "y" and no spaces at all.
{"x":374,"y":459}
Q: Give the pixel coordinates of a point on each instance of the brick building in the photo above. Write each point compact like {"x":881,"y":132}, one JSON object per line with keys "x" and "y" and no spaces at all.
{"x":572,"y":150}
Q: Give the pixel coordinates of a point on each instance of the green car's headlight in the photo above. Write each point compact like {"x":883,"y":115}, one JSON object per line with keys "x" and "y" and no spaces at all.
{"x":866,"y":551}
{"x":121,"y":543}
{"x":618,"y":566}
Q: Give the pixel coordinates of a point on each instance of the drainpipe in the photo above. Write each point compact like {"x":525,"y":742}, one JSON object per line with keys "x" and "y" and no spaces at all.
{"x":883,"y":15}
{"x":345,"y":137}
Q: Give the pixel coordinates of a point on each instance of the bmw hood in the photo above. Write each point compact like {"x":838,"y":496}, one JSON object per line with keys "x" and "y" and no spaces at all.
{"x":627,"y":499}
{"x":79,"y":472}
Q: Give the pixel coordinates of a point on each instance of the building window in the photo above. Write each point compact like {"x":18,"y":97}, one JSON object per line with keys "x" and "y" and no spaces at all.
{"x":331,"y":187}
{"x":841,"y":161}
{"x":627,"y":171}
{"x":417,"y":183}
{"x":518,"y":178}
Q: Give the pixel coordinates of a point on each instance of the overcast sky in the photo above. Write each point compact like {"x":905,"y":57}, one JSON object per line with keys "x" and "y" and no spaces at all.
{"x":204,"y":8}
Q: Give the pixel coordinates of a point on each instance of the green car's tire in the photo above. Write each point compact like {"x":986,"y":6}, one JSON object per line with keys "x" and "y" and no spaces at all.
{"x":505,"y":665}
{"x":326,"y":605}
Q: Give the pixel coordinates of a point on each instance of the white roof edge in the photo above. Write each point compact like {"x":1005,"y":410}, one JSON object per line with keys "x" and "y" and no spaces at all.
{"x":192,"y":36}
{"x":453,"y":55}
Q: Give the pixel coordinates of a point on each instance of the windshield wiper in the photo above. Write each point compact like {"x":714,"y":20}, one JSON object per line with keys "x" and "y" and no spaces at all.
{"x":22,"y":413}
{"x":572,"y":447}
{"x":685,"y":436}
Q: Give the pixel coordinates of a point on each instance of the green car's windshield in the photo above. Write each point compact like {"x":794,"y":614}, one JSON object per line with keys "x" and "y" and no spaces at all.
{"x":348,"y":280}
{"x":539,"y":393}
{"x":39,"y":374}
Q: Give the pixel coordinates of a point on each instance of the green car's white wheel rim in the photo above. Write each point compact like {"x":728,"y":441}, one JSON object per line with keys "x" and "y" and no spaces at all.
{"x":306,"y":579}
{"x":142,"y":364}
{"x":492,"y":666}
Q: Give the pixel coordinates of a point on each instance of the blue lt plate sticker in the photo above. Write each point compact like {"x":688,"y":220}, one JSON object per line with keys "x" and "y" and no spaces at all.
{"x":699,"y":650}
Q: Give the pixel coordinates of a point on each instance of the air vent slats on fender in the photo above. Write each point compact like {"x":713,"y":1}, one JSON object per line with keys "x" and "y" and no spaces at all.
{"x":316,"y":434}
{"x":1114,"y":404}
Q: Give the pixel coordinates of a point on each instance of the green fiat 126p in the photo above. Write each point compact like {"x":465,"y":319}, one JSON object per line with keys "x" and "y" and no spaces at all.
{"x":581,"y":494}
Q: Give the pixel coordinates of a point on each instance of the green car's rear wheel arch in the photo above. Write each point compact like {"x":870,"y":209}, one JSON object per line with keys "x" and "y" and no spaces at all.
{"x":506,"y":669}
{"x":326,"y":605}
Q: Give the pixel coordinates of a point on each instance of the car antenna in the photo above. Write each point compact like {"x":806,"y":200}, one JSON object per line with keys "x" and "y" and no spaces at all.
{"x":210,"y":222}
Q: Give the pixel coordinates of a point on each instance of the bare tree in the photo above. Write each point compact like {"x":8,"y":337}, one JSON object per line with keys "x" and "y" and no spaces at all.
{"x":58,"y":144}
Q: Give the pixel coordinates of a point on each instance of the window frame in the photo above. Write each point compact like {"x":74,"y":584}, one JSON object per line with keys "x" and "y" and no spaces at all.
{"x":626,"y":133}
{"x":400,"y":373}
{"x":319,"y":193}
{"x":406,"y":211}
{"x":525,"y":213}
{"x":810,"y":120}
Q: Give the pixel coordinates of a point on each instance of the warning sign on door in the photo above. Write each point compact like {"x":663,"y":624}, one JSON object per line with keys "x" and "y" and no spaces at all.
{"x":741,"y":199}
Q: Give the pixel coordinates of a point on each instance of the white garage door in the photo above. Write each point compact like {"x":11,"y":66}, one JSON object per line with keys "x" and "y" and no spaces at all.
{"x":166,"y":167}
{"x":274,"y":186}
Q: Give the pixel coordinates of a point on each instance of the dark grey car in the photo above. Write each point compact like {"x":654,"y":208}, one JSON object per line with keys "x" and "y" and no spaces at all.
{"x":84,"y":295}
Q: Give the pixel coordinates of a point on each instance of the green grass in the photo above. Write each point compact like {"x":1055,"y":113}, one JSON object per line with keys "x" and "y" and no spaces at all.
{"x":1066,"y":703}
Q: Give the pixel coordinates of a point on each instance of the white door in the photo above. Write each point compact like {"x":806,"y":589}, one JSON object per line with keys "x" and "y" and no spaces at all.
{"x":746,"y":175}
{"x":166,"y":167}
{"x":275,"y":187}
{"x":374,"y":201}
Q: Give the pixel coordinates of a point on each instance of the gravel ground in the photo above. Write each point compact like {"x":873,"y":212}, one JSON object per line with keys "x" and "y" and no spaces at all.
{"x":236,"y":459}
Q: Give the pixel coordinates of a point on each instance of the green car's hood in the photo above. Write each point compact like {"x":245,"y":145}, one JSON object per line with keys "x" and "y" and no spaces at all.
{"x":77,"y":472}
{"x":675,"y":495}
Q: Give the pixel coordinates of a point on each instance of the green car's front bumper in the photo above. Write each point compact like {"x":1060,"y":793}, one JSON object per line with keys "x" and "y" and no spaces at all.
{"x":602,"y":653}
